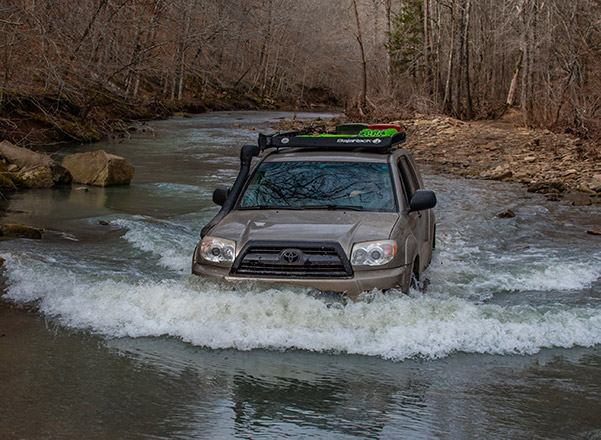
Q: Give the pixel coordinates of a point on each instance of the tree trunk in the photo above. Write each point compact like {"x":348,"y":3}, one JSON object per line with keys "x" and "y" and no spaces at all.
{"x":469,"y":110}
{"x":514,"y":81}
{"x":183,"y":48}
{"x":459,"y":58}
{"x":8,"y":50}
{"x":388,"y":6}
{"x":363,"y":98}
{"x":447,"y":100}
{"x":427,"y":49}
{"x":528,"y":12}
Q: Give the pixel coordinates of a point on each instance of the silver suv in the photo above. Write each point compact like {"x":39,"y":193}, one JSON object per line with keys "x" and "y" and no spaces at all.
{"x":343,"y":211}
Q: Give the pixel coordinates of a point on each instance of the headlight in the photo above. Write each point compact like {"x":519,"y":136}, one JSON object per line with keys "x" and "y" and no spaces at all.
{"x":373,"y":253}
{"x":217,"y":250}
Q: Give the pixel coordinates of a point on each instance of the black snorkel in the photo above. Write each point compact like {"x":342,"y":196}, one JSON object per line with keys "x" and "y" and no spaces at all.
{"x":246,"y":155}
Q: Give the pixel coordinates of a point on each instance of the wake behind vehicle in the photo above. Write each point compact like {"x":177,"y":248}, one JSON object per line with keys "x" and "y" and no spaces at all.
{"x":341,"y":211}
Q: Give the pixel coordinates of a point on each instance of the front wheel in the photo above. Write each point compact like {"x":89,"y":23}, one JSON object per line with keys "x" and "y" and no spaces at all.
{"x":416,"y":281}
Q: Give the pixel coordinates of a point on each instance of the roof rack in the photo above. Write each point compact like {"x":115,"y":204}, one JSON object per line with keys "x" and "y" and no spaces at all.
{"x":376,"y":138}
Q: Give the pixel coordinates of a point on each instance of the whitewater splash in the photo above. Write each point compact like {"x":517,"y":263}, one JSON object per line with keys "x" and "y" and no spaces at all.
{"x":458,"y":268}
{"x":527,"y":286}
{"x":244,"y":316}
{"x":170,"y":243}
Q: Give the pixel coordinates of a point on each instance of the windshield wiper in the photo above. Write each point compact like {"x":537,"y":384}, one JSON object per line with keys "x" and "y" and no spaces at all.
{"x":282,"y":207}
{"x":333,"y":207}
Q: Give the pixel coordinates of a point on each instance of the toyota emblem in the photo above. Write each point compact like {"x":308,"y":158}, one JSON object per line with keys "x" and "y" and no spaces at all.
{"x":291,"y":256}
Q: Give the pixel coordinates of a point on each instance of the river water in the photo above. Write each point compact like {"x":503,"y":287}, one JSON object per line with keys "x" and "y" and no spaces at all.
{"x":109,"y":336}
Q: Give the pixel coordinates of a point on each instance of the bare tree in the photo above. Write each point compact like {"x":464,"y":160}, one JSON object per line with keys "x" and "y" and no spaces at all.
{"x":466,"y":58}
{"x":363,"y":96}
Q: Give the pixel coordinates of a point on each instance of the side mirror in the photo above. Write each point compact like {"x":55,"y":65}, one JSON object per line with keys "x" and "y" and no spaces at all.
{"x":220,"y":195}
{"x":422,"y":199}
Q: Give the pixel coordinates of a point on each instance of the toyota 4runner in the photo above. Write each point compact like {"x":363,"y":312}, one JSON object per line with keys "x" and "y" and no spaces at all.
{"x":344,"y":211}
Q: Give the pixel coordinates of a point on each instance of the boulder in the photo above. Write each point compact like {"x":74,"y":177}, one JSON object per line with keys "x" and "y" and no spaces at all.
{"x":503,"y":175}
{"x":595,"y":185}
{"x":31,"y":169}
{"x":6,"y":181}
{"x":38,"y":177}
{"x":99,"y":168}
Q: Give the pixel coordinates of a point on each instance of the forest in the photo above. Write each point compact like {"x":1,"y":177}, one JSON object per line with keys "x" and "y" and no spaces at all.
{"x":78,"y":70}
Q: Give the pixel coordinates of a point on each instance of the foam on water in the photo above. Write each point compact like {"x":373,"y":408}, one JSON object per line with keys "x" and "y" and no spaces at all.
{"x":170,"y":243}
{"x":480,"y":269}
{"x":218,"y":315}
{"x":478,"y":279}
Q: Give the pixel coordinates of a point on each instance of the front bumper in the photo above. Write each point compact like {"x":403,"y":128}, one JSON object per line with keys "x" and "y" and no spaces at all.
{"x":361,"y":281}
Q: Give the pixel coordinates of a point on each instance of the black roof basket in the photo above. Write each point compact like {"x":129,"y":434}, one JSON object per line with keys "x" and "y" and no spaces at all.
{"x":315,"y":137}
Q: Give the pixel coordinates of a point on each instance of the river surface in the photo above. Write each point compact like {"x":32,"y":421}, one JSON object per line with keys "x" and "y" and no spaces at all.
{"x":109,"y":336}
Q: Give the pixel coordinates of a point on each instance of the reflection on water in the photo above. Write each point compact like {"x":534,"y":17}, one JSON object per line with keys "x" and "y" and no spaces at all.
{"x":127,"y":344}
{"x":71,"y":385}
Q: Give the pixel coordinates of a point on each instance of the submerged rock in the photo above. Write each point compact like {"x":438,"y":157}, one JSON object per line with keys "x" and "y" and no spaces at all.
{"x":553,"y":187}
{"x":99,"y":168}
{"x":578,"y":199}
{"x":20,"y":231}
{"x":506,"y":214}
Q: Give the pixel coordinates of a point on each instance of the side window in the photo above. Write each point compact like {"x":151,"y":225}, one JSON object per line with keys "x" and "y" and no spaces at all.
{"x":410,"y":182}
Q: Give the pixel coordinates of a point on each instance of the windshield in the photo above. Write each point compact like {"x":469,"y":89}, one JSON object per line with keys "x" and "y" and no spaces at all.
{"x":321,"y":185}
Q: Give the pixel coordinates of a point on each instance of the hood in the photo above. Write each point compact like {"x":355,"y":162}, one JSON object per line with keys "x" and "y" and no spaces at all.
{"x":344,"y":227}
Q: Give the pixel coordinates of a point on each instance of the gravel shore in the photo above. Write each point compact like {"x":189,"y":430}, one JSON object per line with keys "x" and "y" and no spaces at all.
{"x":559,"y":165}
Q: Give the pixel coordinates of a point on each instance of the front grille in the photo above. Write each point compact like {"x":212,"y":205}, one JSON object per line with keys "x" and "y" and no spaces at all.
{"x":292,"y":259}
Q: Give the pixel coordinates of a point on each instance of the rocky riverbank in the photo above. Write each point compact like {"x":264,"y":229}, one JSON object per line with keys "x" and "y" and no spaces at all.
{"x":21,"y":168}
{"x":546,"y":162}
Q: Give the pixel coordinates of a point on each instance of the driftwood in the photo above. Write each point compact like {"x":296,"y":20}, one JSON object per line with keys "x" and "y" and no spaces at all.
{"x":31,"y":169}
